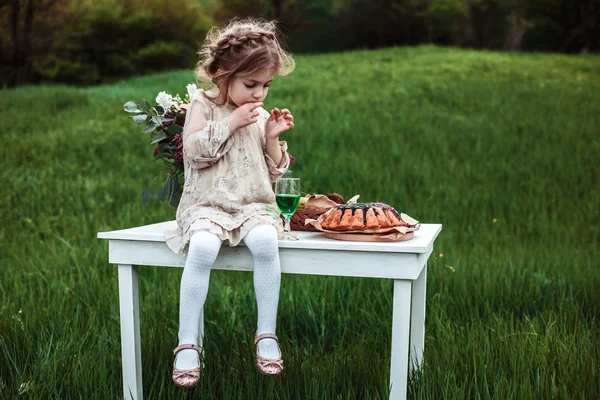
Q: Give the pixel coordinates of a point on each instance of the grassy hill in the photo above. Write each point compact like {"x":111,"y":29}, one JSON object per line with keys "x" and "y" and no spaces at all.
{"x":502,"y":149}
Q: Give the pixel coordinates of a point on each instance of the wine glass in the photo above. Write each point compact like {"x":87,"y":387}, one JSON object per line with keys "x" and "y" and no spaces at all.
{"x":287,"y":196}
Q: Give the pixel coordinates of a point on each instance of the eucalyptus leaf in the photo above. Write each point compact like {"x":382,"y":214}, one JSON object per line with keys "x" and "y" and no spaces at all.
{"x":159,"y":109}
{"x":167,"y":190}
{"x":174,"y":129}
{"x":169,"y":186}
{"x":161,"y":193}
{"x":175,"y":198}
{"x":131,"y":107}
{"x":156,"y":120}
{"x":157,"y":136}
{"x":180,"y":116}
{"x":146,"y":194}
{"x":176,"y":184}
{"x":150,"y":128}
{"x":145,"y":106}
{"x":139,"y":119}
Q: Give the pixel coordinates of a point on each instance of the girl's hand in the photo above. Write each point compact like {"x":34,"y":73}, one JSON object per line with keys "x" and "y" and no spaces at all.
{"x":244,"y":115}
{"x":278,"y":122}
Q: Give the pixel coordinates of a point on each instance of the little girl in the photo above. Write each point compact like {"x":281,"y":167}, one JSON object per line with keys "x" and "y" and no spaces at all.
{"x":232,"y":155}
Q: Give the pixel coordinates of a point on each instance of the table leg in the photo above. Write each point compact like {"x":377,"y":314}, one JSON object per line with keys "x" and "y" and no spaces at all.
{"x":130,"y":332}
{"x":400,"y":338}
{"x":201,"y":334}
{"x":417,"y":320}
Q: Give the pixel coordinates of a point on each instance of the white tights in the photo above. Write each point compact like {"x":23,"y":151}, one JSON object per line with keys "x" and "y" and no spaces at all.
{"x":203,"y":250}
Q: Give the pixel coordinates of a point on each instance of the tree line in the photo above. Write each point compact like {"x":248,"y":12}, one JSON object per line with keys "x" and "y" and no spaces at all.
{"x":88,"y":42}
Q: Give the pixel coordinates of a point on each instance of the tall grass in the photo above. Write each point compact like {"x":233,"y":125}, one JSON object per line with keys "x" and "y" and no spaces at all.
{"x":500,"y":148}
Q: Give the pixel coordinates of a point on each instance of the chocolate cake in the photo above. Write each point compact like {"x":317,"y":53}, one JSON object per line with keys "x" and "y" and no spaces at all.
{"x":360,"y":216}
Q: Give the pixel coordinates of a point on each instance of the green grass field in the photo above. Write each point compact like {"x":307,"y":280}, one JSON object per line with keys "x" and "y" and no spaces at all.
{"x":502,"y":149}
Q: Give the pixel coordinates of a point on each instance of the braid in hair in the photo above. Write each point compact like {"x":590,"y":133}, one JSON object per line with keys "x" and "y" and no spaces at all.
{"x":231,"y":40}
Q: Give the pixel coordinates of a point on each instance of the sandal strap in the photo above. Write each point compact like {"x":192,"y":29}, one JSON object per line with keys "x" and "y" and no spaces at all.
{"x":186,"y":346}
{"x":264,"y":336}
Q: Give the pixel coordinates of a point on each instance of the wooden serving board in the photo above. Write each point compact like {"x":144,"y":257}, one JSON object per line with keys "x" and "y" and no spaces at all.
{"x":368,"y":237}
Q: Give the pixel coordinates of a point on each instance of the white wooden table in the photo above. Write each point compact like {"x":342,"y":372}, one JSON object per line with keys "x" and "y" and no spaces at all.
{"x":313,"y":254}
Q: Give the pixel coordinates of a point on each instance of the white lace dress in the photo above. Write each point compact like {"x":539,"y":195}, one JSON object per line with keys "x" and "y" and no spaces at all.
{"x":228,"y":176}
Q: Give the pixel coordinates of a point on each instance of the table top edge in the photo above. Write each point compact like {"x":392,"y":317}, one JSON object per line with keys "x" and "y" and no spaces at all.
{"x":123,"y":236}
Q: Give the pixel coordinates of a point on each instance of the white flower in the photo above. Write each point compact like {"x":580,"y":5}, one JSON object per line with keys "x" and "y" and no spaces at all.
{"x":191,"y":89}
{"x":164,"y":100}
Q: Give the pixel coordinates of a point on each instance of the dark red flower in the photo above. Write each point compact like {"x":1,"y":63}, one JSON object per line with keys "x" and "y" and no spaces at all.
{"x":292,"y":158}
{"x":178,"y":140}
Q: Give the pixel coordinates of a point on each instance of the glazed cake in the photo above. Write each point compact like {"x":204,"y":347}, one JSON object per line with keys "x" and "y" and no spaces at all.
{"x":361,"y":216}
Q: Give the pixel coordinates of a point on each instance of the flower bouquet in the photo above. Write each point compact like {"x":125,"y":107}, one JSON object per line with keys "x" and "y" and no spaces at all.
{"x":164,"y":122}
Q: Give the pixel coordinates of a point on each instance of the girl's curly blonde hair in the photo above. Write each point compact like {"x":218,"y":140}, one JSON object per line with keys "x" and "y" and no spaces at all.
{"x":240,"y":48}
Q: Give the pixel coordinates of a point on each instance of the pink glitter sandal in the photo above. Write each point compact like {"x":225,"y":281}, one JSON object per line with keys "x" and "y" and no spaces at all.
{"x":186,"y":378}
{"x":268,"y":366}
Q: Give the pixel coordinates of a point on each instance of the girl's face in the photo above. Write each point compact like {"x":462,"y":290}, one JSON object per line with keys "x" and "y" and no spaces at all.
{"x":250,"y":88}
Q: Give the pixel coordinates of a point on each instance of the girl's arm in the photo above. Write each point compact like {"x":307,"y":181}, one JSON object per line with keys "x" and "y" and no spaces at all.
{"x":204,"y":141}
{"x":274,"y":150}
{"x":276,"y":156}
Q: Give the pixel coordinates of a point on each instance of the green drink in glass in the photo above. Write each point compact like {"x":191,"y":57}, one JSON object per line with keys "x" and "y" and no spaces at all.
{"x":287,"y":204}
{"x":287,"y":196}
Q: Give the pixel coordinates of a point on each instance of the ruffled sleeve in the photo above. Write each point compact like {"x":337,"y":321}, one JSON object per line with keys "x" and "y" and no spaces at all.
{"x":204,"y":140}
{"x":176,"y":241}
{"x":277,"y":171}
